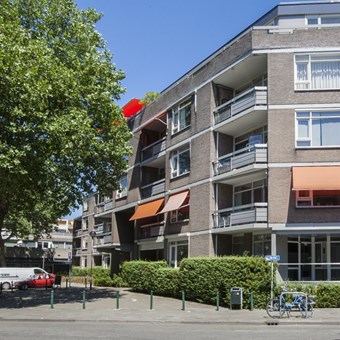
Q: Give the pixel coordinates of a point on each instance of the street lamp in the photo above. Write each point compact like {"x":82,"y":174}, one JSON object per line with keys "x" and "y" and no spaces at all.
{"x":92,"y":235}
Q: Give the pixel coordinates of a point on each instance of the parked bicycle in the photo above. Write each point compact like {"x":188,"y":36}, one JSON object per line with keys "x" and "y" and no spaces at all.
{"x":288,"y":302}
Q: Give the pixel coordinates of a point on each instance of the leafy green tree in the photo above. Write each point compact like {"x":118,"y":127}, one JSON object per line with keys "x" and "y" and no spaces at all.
{"x":61,"y":133}
{"x":149,"y":97}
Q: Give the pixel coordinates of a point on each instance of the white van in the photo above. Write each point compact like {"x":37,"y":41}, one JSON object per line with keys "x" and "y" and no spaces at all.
{"x":9,"y":275}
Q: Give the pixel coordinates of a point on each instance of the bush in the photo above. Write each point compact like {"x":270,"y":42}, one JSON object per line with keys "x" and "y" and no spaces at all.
{"x":140,"y":275}
{"x":202,"y":278}
{"x":328,"y":296}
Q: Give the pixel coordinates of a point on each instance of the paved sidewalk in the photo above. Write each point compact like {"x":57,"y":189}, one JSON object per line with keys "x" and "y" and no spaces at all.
{"x":102,"y":306}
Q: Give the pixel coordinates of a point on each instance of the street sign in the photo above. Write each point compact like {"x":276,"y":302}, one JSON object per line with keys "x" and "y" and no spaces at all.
{"x":272,"y":257}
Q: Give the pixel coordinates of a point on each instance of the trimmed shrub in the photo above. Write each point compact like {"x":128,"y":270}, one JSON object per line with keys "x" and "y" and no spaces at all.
{"x":328,"y":296}
{"x":165,"y":282}
{"x":140,"y":275}
{"x":202,"y":278}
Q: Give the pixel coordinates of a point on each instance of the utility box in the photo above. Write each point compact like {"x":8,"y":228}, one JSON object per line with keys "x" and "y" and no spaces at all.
{"x":236,"y":297}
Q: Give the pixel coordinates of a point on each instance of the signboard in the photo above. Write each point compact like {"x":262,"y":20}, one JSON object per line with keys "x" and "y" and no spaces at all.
{"x":272,"y":257}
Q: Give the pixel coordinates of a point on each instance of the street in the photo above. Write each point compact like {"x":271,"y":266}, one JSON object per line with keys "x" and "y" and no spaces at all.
{"x":185,"y":331}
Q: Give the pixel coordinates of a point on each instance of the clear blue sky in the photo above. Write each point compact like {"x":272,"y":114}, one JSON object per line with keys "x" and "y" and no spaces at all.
{"x":155,"y":42}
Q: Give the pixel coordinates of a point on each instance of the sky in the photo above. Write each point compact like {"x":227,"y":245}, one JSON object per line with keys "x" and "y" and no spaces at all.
{"x":155,"y":42}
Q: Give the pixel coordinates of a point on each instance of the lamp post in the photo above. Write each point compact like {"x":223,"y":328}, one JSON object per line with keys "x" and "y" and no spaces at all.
{"x":92,"y":235}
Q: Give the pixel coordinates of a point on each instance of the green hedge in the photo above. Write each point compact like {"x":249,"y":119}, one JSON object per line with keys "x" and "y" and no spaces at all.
{"x":328,"y":296}
{"x":202,"y":278}
{"x":141,"y":275}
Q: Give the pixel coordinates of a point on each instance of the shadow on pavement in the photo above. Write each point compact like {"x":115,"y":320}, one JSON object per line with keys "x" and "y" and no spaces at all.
{"x":40,"y":296}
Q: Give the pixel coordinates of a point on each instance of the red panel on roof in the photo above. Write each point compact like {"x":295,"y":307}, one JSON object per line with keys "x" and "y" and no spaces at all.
{"x":132,"y":107}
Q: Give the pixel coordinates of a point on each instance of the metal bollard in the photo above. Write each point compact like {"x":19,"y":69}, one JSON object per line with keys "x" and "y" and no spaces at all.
{"x":85,"y":282}
{"x":52,"y":298}
{"x":12,"y":286}
{"x":117,"y":300}
{"x":84,"y":298}
{"x":217,"y":301}
{"x":151,"y":300}
{"x":251,"y":301}
{"x":66,"y":283}
{"x":20,"y":302}
{"x":183,"y":300}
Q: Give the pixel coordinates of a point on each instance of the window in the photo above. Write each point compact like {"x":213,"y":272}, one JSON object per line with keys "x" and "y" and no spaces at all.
{"x":123,"y":185}
{"x":182,"y":213}
{"x":317,"y":198}
{"x":85,"y":223}
{"x":181,"y":116}
{"x":262,"y":245}
{"x":323,"y":20}
{"x":318,"y":129}
{"x":86,"y":205}
{"x":317,"y":72}
{"x":177,"y":251}
{"x":250,"y":193}
{"x":180,"y":162}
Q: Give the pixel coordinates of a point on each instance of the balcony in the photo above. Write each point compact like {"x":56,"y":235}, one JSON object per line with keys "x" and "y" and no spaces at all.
{"x":253,"y":154}
{"x":244,"y":214}
{"x":102,"y":228}
{"x":242,"y":112}
{"x":78,"y":233}
{"x":154,"y":149}
{"x":108,"y":205}
{"x":104,"y":240}
{"x":151,"y":230}
{"x":152,"y":189}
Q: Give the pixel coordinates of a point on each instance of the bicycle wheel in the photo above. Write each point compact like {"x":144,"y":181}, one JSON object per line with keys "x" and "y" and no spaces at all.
{"x":309,"y":312}
{"x":273,"y":308}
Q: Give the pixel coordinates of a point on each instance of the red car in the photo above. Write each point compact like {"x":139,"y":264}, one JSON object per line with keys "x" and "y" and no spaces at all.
{"x":38,"y":281}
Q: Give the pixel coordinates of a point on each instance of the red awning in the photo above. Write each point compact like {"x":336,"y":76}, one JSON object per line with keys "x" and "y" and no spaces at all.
{"x":132,"y":107}
{"x":147,"y":209}
{"x":316,"y":178}
{"x":174,"y":202}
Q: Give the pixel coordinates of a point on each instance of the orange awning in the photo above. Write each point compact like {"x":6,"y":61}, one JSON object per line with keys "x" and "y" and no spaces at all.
{"x":147,"y":209}
{"x":174,"y":202}
{"x":316,"y":178}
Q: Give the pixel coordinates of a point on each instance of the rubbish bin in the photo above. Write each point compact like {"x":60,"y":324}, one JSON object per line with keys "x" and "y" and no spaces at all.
{"x":236,"y":297}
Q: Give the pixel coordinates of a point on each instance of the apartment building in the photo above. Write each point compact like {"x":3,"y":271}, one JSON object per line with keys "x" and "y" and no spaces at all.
{"x":241,"y":155}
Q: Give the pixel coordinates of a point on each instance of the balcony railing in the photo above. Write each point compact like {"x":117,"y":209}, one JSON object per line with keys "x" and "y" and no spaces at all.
{"x":153,"y":149}
{"x":244,"y":214}
{"x":240,"y":103}
{"x":152,"y":189}
{"x":108,"y":205}
{"x":256,"y":153}
{"x":151,"y":230}
{"x":78,"y":233}
{"x":102,"y":228}
{"x":103,"y":240}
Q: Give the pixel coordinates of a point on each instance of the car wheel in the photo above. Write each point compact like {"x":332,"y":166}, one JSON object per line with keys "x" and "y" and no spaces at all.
{"x":24,"y":286}
{"x":6,"y":285}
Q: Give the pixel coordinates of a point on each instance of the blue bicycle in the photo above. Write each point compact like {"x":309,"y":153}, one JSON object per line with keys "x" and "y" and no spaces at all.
{"x":288,"y":302}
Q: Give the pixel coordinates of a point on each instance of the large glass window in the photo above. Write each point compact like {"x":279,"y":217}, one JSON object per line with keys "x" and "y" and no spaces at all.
{"x":177,"y":251}
{"x":123,"y":187}
{"x":182,"y":213}
{"x":180,"y":161}
{"x":317,"y":198}
{"x":317,"y":72}
{"x":318,"y":129}
{"x":262,"y":244}
{"x":250,"y":193}
{"x":181,"y":116}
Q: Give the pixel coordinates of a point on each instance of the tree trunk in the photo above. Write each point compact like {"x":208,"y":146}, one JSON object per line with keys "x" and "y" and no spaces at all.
{"x":2,"y":241}
{"x":2,"y":253}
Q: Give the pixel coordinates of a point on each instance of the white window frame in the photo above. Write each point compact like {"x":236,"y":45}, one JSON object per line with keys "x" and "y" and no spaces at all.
{"x":176,"y":217}
{"x":177,"y":113}
{"x":307,"y":141}
{"x":122,"y":192}
{"x":85,"y":205}
{"x":175,"y":162}
{"x":173,"y":252}
{"x":85,"y":223}
{"x":306,"y":200}
{"x":308,"y":59}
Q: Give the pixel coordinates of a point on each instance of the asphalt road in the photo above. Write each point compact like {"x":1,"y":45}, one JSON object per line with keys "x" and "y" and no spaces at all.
{"x":161,"y":331}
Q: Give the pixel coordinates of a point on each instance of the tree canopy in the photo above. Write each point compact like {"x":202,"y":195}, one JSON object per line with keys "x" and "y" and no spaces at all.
{"x":61,"y":132}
